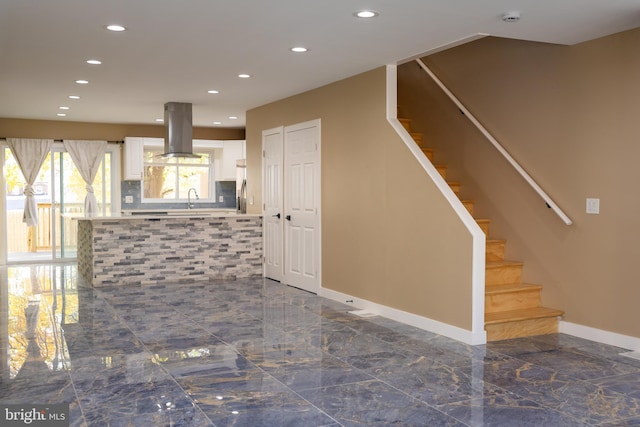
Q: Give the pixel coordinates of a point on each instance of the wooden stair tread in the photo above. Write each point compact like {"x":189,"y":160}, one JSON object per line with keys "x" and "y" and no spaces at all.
{"x":512,"y":308}
{"x":524,"y":314}
{"x":499,"y":264}
{"x":510,"y":288}
{"x":468,"y":204}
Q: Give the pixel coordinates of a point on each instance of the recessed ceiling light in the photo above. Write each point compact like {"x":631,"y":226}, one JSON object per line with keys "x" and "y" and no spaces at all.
{"x":94,"y":61}
{"x":63,"y":108}
{"x":74,"y":97}
{"x":233,"y":118}
{"x":160,"y":120}
{"x":116,"y":28}
{"x":217,"y":123}
{"x":213,"y":91}
{"x":61,"y":115}
{"x":82,"y":82}
{"x":366,"y":14}
{"x":299,"y":49}
{"x":244,"y":76}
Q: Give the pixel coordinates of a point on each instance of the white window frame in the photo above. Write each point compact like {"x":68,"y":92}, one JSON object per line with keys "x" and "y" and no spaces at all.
{"x":199,"y":146}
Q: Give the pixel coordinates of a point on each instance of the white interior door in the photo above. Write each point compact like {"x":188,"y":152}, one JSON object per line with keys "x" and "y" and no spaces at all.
{"x":302,"y":205}
{"x":272,"y":179}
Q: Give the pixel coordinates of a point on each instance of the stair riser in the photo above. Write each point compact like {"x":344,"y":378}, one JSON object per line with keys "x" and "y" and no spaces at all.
{"x":484,"y":226}
{"x":504,"y":275}
{"x":512,"y":301}
{"x":522,"y":328}
{"x":468,"y":206}
{"x":429,"y":153}
{"x":495,"y":251}
{"x":442,"y":170}
{"x":406,"y":124}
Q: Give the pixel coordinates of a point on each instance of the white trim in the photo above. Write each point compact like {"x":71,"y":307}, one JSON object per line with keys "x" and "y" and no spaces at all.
{"x":407,"y":318}
{"x":599,"y":335}
{"x":265,"y":133}
{"x":317,"y":125}
{"x":3,"y":207}
{"x":114,"y":149}
{"x":478,"y":236}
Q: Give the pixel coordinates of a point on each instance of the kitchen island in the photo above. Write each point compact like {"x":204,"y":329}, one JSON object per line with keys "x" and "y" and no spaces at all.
{"x":152,"y":248}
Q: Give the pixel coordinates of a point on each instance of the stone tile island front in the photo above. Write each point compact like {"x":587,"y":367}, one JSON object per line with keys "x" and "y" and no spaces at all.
{"x":132,"y":249}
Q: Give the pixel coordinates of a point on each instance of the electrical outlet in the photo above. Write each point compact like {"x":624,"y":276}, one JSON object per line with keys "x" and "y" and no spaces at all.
{"x":128,"y":199}
{"x":221,"y":199}
{"x":593,"y":206}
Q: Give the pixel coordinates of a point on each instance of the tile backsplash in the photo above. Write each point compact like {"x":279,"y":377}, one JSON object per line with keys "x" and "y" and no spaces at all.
{"x":226,"y":189}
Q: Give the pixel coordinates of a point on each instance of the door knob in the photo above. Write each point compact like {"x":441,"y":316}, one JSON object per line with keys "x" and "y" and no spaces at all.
{"x":288,"y":217}
{"x":277,"y":216}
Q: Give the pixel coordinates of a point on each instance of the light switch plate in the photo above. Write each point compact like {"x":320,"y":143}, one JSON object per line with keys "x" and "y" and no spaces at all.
{"x":128,"y":199}
{"x":593,"y":206}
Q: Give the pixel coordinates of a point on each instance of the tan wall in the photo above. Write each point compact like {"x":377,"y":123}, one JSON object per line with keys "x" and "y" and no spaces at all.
{"x":54,"y":129}
{"x":568,"y":114}
{"x":388,"y":235}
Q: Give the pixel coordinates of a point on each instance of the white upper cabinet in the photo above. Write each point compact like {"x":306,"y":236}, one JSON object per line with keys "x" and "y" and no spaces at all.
{"x":227,"y":153}
{"x":133,"y":158}
{"x":231,"y":153}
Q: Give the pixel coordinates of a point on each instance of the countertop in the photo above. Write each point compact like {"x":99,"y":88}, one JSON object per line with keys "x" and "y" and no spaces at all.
{"x":165,"y":214}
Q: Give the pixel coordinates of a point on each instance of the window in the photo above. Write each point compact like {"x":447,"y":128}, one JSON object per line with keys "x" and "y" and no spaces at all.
{"x":169,"y":179}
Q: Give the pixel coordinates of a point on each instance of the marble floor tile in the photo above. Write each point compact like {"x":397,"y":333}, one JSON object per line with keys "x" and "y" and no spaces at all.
{"x":580,"y":364}
{"x":254,"y":352}
{"x":628,"y":385}
{"x":373,"y":403}
{"x":308,"y":371}
{"x":168,"y":418}
{"x":250,"y":397}
{"x":507,"y":410}
{"x":582,"y":400}
{"x":433,"y":382}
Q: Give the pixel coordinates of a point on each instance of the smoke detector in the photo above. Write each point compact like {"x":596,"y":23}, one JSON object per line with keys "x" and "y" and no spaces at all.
{"x":511,"y":16}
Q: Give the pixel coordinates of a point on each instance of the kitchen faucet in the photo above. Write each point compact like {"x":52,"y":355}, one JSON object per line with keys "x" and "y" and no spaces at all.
{"x":189,"y":204}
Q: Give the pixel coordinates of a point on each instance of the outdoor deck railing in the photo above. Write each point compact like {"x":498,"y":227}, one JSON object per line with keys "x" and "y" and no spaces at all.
{"x":21,"y":238}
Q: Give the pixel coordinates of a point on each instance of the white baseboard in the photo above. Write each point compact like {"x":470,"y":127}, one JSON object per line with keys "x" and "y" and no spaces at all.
{"x":468,"y":337}
{"x":599,"y":335}
{"x":454,"y":332}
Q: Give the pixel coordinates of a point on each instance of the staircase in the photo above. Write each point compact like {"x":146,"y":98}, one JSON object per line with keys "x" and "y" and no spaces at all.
{"x":512,"y":308}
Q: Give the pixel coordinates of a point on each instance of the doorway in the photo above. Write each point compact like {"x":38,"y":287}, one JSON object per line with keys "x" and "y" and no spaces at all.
{"x":292,"y":215}
{"x":60,"y":193}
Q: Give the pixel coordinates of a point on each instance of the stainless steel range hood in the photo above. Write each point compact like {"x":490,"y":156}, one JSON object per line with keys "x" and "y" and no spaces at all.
{"x":178,"y":140}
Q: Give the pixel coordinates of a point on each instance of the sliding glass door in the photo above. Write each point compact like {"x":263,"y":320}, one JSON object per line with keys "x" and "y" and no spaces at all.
{"x":60,"y":193}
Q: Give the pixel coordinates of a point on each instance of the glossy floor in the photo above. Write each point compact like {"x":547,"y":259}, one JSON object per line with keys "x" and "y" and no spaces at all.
{"x":257,"y":353}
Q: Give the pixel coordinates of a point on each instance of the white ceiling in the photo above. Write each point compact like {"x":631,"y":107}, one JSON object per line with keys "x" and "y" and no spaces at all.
{"x":176,"y":50}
